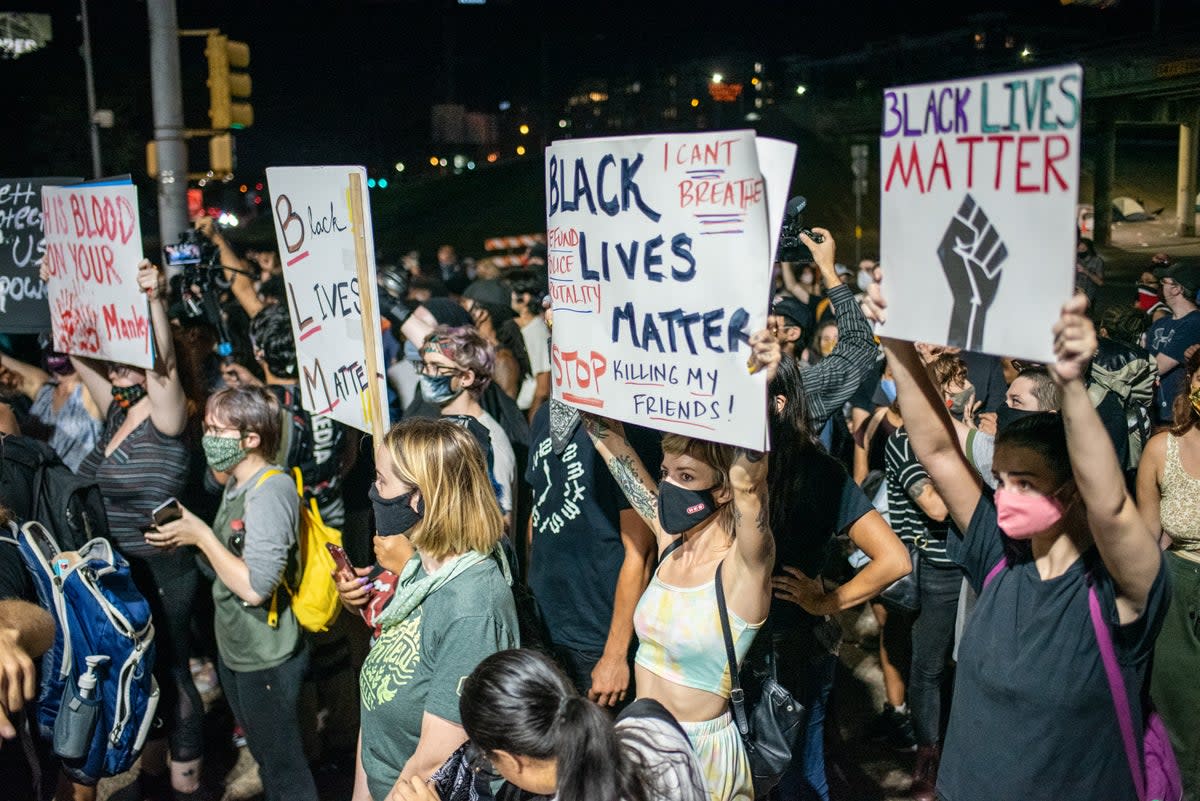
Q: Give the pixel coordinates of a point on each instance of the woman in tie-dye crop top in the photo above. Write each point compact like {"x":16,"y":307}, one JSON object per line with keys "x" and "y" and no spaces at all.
{"x":708,"y":510}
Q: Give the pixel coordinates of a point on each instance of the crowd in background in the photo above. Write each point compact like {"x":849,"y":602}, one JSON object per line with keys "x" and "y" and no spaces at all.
{"x":531,"y":593}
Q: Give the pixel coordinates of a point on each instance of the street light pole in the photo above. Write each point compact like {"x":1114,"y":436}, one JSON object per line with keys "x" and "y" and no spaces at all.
{"x":86,"y":52}
{"x":170,"y":143}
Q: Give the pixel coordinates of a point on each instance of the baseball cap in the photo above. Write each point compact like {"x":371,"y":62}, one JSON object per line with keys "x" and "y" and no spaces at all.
{"x":793,"y":310}
{"x":1186,"y":275}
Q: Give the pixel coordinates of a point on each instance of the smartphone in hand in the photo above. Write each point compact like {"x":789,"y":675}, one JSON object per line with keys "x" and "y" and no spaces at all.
{"x":340,"y":559}
{"x":168,"y":511}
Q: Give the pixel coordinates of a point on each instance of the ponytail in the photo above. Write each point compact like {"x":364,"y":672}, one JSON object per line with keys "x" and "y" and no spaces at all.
{"x":518,"y":701}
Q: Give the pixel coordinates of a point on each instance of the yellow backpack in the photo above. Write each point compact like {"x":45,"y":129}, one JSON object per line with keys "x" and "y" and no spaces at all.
{"x":315,"y":599}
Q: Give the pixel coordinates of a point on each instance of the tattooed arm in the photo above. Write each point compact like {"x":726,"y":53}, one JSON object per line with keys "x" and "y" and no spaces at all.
{"x":626,"y":467}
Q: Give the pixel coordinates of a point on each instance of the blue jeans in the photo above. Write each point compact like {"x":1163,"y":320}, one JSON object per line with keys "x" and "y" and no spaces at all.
{"x":809,"y":680}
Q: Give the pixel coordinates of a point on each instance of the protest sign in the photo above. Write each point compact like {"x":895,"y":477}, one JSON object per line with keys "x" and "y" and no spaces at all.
{"x":659,"y":254}
{"x":323,"y":226}
{"x":23,"y":305}
{"x":93,"y":246}
{"x":979,"y":182}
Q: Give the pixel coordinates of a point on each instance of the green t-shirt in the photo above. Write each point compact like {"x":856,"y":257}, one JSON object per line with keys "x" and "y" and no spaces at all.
{"x":418,"y":666}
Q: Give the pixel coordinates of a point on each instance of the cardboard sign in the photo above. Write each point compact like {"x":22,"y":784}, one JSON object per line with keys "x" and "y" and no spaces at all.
{"x":323,"y":226}
{"x":979,"y":182}
{"x":93,"y":246}
{"x":659,"y":253}
{"x":23,"y":305}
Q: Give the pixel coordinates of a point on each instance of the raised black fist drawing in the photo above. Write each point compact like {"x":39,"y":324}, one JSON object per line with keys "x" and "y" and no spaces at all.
{"x":971,"y":253}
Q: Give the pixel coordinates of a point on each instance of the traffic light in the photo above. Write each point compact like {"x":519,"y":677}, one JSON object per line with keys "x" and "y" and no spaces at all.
{"x":221,"y":155}
{"x":224,"y":56}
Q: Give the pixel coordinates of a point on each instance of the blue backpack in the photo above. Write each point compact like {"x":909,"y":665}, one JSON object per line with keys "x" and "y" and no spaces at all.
{"x":98,"y":612}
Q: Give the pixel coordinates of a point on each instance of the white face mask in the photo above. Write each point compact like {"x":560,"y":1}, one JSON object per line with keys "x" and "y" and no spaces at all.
{"x":864,"y":281}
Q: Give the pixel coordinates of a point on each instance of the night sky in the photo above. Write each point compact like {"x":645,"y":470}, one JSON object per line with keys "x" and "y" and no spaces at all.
{"x":353,"y":81}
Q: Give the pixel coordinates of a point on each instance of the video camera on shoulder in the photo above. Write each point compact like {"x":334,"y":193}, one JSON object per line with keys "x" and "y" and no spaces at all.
{"x":791,"y":248}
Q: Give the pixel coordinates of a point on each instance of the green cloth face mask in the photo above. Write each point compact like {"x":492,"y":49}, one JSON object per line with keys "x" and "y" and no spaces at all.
{"x":223,"y":453}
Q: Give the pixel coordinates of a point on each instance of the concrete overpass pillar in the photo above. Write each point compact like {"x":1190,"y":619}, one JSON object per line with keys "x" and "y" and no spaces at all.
{"x":1185,"y":194}
{"x":1106,"y":167}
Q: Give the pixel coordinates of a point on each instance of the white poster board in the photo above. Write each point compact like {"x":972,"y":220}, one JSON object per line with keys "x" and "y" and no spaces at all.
{"x":322,"y":219}
{"x":93,"y":246}
{"x":979,"y":181}
{"x":659,"y":252}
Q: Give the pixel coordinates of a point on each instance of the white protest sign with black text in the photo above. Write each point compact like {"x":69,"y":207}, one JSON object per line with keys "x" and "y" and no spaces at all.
{"x":328,"y":257}
{"x":659,"y":256}
{"x":93,"y":247}
{"x":979,"y":181}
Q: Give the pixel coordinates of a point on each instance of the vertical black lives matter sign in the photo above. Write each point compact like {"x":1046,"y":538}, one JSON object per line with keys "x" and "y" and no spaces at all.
{"x":23,"y":305}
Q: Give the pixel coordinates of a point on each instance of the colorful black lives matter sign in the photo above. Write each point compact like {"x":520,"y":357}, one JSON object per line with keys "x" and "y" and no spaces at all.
{"x":979,"y":181}
{"x":659,"y":258}
{"x":23,"y":305}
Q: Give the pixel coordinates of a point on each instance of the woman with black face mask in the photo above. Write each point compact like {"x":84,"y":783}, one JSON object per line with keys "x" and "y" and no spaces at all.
{"x":710,"y":515}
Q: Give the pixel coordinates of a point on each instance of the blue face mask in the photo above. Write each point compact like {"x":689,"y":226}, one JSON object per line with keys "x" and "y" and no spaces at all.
{"x":889,"y":389}
{"x":437,"y":389}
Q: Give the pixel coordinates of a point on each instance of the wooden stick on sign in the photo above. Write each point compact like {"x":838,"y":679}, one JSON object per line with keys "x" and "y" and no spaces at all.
{"x":366,"y":298}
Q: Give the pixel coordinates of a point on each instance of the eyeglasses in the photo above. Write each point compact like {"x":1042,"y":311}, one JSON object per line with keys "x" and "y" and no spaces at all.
{"x":431,"y":369}
{"x":214,"y":430}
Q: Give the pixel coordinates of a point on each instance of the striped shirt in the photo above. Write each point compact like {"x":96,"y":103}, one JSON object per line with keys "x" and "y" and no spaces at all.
{"x":914,"y":527}
{"x":146,"y":469}
{"x":831,"y":382}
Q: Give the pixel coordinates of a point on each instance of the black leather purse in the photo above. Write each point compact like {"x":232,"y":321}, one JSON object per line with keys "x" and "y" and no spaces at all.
{"x":769,"y":720}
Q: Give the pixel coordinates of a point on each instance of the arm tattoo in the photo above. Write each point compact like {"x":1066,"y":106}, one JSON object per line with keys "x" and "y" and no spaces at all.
{"x":918,"y":488}
{"x":596,"y":426}
{"x":624,"y":470}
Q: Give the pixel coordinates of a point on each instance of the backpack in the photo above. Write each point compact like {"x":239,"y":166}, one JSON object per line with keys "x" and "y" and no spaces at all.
{"x":315,"y":599}
{"x":1129,"y":374}
{"x":313,"y":444}
{"x":36,"y":485}
{"x":98,"y":612}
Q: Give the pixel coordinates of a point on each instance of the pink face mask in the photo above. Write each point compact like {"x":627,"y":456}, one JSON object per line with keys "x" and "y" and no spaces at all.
{"x":1022,"y":516}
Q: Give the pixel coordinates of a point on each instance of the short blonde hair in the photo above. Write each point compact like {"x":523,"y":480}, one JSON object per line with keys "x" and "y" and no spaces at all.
{"x":444,"y":462}
{"x":717,"y":456}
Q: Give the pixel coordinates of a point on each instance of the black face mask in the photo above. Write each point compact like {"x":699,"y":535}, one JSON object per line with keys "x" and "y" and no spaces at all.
{"x":1007,"y":415}
{"x":681,"y":509}
{"x":395,"y":515}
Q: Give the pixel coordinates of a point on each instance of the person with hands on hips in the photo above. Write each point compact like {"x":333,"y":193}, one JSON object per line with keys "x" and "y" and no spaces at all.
{"x":1060,"y":534}
{"x":709,"y":514}
{"x":252,"y":548}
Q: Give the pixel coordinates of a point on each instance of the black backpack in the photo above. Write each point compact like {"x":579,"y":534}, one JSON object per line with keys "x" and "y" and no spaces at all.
{"x":36,"y":485}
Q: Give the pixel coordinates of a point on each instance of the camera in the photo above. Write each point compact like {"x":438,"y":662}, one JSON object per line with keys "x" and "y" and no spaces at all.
{"x":202,"y":271}
{"x":791,"y":248}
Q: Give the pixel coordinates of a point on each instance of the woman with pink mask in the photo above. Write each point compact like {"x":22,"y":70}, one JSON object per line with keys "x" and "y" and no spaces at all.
{"x":1033,"y":715}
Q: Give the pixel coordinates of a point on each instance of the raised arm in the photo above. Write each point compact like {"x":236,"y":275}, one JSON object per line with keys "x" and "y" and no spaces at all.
{"x":168,"y":405}
{"x":788,"y":271}
{"x":32,"y":378}
{"x":932,"y":434}
{"x":626,"y":467}
{"x":1126,"y":545}
{"x":235,"y":268}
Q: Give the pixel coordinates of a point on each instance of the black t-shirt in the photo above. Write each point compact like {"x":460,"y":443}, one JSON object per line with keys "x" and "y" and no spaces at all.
{"x":577,"y":551}
{"x":1033,"y":717}
{"x":823,"y":502}
{"x":869,"y":396}
{"x":1112,"y":414}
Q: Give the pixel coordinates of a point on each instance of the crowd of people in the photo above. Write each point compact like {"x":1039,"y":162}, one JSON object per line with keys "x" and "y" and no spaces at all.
{"x":536,"y":603}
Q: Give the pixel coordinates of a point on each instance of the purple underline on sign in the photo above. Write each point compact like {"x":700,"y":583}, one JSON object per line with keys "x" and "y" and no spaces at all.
{"x":709,"y":171}
{"x":738,"y":231}
{"x":561,"y":250}
{"x":721,"y":222}
{"x":683,"y":423}
{"x":562,"y":280}
{"x":574,"y":311}
{"x":720,"y":214}
{"x":301,"y":257}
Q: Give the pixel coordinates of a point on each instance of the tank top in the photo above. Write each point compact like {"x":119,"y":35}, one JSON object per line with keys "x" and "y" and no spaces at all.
{"x":74,"y":430}
{"x":1179,"y":510}
{"x":679,"y":636}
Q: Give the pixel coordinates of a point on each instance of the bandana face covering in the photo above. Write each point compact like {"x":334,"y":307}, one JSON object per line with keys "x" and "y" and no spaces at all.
{"x":127,"y":396}
{"x":438,"y":390}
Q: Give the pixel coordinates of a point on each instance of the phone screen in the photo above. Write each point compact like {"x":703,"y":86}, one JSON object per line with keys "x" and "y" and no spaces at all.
{"x":182,"y":254}
{"x":167,"y":512}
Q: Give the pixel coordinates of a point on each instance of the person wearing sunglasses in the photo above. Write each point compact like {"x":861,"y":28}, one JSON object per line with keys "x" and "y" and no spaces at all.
{"x":252,"y":548}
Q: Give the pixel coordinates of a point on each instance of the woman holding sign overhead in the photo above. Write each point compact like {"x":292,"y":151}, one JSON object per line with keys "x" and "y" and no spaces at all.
{"x":709,"y":513}
{"x":141,"y":460}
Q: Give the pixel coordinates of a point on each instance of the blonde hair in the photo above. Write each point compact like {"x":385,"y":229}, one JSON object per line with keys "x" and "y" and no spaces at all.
{"x":444,"y":462}
{"x":718,"y":457}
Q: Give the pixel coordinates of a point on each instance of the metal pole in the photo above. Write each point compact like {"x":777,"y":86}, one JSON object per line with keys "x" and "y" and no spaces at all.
{"x":168,"y":119}
{"x":89,"y":78}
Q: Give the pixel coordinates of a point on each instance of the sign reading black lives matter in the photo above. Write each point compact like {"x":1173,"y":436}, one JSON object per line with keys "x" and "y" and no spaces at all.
{"x":979,"y":181}
{"x":659,"y":254}
{"x":23,"y":305}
